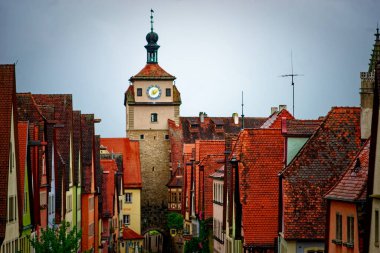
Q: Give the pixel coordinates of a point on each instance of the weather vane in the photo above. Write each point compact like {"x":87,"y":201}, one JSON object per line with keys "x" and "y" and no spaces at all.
{"x":292,"y":75}
{"x":151,"y":20}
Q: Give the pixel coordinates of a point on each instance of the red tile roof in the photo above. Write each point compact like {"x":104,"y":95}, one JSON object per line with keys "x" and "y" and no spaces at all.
{"x":63,"y":113}
{"x":218,"y":174}
{"x":131,"y":159}
{"x":315,"y":169}
{"x":176,"y":180}
{"x":109,"y":168}
{"x":274,"y":121}
{"x":129,"y":234}
{"x":212,"y":127}
{"x":302,"y":127}
{"x":88,"y":153}
{"x":77,"y":145}
{"x":352,"y":186}
{"x":22,"y":145}
{"x":261,"y":154}
{"x":152,"y":72}
{"x":8,"y":100}
{"x":209,"y":153}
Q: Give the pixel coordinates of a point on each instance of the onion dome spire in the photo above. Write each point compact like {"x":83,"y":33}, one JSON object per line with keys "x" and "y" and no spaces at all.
{"x":152,"y":46}
{"x":375,"y":56}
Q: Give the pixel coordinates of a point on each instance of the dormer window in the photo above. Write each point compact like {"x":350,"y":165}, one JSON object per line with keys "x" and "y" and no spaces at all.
{"x":154,"y":117}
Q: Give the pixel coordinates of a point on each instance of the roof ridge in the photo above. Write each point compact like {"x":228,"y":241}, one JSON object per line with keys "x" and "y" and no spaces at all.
{"x":296,"y":157}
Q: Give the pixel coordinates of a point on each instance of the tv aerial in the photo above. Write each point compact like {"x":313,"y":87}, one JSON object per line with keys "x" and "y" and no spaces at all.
{"x":292,"y":75}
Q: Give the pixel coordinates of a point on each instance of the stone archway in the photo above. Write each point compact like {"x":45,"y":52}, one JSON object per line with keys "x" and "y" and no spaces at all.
{"x":155,"y":240}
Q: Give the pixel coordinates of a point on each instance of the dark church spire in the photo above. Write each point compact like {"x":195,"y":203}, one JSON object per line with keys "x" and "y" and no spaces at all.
{"x":375,"y":56}
{"x":152,"y":46}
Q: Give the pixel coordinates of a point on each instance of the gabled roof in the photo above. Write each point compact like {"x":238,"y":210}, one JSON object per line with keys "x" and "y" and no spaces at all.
{"x":88,"y":153}
{"x":302,"y":127}
{"x":152,"y":72}
{"x":129,"y":234}
{"x":274,"y":121}
{"x":352,"y":186}
{"x":315,"y":169}
{"x":77,"y":145}
{"x":176,"y":180}
{"x":218,"y":174}
{"x":109,"y":168}
{"x":63,"y":114}
{"x":8,"y":101}
{"x":214,"y":128}
{"x":261,"y":155}
{"x":131,"y":159}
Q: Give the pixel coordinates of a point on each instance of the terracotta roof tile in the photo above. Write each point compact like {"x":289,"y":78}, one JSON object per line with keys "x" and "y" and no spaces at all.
{"x":352,"y":186}
{"x":8,"y":101}
{"x":87,"y":155}
{"x":63,"y":112}
{"x":77,"y":145}
{"x":131,"y":159}
{"x":315,"y":169}
{"x":109,"y":169}
{"x":302,"y":127}
{"x":152,"y":72}
{"x":209,"y":154}
{"x":261,"y":154}
{"x":129,"y":234}
{"x":214,"y":128}
{"x":218,"y":174}
{"x":22,"y":145}
{"x":274,"y":121}
{"x":176,"y":180}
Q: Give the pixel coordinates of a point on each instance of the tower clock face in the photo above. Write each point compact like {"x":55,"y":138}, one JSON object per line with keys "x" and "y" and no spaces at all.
{"x":153,"y":91}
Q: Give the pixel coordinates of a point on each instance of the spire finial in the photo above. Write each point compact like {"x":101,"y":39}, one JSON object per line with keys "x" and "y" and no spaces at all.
{"x":151,"y":20}
{"x":377,"y":32}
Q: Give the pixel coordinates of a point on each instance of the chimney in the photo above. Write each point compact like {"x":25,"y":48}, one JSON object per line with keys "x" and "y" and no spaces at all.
{"x":281,"y":107}
{"x":235,"y":116}
{"x":202,"y":116}
{"x":273,"y":110}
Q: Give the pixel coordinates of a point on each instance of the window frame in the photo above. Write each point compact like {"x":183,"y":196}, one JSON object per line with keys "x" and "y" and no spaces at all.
{"x":154,"y":117}
{"x":128,"y":199}
{"x":168,"y":92}
{"x":139,"y":92}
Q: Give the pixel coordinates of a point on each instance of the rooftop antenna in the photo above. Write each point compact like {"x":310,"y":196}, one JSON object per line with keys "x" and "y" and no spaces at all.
{"x":292,"y":75}
{"x":242,"y":110}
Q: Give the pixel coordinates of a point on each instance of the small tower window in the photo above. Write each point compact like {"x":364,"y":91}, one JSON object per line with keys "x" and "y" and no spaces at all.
{"x":139,"y":92}
{"x":153,"y":117}
{"x":168,"y":92}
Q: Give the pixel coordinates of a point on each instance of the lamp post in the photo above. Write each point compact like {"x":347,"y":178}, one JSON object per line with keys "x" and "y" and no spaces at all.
{"x":238,"y":207}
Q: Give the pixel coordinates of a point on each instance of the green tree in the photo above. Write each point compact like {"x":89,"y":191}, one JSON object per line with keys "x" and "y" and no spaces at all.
{"x":175,"y":220}
{"x":59,"y":239}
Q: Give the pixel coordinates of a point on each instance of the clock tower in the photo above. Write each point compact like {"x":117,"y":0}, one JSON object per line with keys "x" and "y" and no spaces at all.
{"x":150,"y":101}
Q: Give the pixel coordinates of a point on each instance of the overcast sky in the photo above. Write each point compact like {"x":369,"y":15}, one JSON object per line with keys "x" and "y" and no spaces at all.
{"x":215,"y":48}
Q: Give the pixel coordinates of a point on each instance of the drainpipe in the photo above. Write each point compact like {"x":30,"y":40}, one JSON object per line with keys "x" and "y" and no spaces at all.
{"x":225,"y":182}
{"x":238,"y":206}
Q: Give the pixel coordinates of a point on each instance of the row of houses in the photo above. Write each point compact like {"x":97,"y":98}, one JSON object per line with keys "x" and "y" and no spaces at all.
{"x":55,"y":168}
{"x":281,"y":184}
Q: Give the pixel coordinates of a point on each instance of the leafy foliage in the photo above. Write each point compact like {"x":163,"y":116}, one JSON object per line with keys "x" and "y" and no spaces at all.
{"x":175,"y":221}
{"x":57,"y":239}
{"x":200,"y":244}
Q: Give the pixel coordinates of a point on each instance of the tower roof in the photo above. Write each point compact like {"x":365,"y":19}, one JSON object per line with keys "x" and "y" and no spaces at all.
{"x":152,"y":72}
{"x":375,"y":56}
